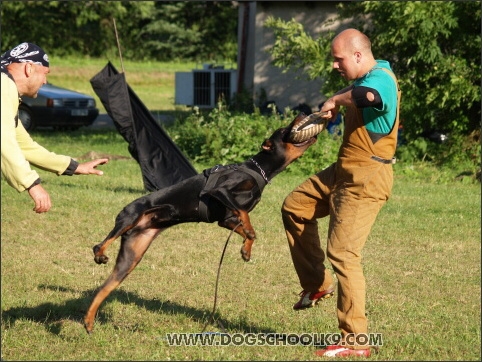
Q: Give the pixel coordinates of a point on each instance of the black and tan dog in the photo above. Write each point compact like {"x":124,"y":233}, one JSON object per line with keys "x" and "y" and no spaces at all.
{"x":225,"y":194}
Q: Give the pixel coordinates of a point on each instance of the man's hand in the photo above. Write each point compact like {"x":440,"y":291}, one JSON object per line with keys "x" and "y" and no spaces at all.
{"x":41,"y":199}
{"x":331,"y":109}
{"x":89,"y":168}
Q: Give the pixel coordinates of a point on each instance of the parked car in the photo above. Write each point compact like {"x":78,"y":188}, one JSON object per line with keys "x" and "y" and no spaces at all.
{"x":57,"y":107}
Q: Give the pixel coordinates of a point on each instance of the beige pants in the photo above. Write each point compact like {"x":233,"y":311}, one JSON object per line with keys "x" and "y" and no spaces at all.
{"x":352,"y":208}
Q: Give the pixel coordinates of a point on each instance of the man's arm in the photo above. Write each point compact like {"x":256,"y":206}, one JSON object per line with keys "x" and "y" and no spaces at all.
{"x":341,"y":98}
{"x":360,"y":97}
{"x":15,"y":167}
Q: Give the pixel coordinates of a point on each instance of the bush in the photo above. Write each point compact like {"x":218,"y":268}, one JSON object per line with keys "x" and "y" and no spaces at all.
{"x":222,"y":137}
{"x":458,"y":156}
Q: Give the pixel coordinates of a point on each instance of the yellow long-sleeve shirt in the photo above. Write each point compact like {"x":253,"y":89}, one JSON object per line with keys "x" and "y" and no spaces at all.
{"x":19,"y":150}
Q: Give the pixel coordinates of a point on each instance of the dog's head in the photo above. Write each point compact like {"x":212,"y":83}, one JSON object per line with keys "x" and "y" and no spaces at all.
{"x":281,"y":143}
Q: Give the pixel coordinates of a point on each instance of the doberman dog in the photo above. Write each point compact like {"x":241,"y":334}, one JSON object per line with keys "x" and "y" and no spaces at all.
{"x":225,"y":194}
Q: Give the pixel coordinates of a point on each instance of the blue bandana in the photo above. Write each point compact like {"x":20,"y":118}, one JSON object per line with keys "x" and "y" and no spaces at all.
{"x":25,"y":53}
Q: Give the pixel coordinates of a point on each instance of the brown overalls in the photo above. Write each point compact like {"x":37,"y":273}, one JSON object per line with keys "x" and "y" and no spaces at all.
{"x":352,"y":192}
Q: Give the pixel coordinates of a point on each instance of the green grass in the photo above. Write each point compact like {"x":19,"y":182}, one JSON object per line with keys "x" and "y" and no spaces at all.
{"x":422,"y":264}
{"x":153,"y":82}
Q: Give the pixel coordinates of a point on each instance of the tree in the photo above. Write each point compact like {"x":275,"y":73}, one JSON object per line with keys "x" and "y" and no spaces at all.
{"x":194,"y":30}
{"x":434,"y":48}
{"x":155,"y":30}
{"x":83,"y":28}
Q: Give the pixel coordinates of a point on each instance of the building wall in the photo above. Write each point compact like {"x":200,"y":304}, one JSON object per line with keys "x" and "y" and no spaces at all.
{"x":259,"y":75}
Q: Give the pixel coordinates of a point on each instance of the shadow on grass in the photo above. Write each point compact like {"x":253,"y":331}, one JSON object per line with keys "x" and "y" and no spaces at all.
{"x":53,"y":315}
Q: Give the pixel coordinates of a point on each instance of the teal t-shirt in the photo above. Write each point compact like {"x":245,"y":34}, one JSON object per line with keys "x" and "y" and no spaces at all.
{"x":380,"y":120}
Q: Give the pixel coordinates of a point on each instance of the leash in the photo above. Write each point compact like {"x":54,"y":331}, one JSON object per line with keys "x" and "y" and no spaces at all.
{"x":217,"y":282}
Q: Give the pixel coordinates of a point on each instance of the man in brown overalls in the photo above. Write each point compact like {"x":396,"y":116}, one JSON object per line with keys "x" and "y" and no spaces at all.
{"x":351,"y":191}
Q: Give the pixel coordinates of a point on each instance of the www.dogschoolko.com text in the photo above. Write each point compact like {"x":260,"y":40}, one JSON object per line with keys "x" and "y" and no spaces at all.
{"x":273,"y":339}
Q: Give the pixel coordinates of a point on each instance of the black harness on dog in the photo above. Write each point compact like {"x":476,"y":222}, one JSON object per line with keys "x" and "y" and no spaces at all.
{"x":212,"y":176}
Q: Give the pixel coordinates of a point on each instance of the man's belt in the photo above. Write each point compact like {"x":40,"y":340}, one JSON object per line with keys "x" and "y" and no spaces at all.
{"x":385,"y":161}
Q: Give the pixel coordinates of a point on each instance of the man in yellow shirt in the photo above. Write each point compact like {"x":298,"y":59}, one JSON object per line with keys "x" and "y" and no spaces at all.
{"x":24,"y":70}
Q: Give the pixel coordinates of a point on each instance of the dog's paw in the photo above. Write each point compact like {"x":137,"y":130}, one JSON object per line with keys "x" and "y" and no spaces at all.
{"x":101,"y":259}
{"x":246,"y":249}
{"x":245,"y":254}
{"x":88,"y":325}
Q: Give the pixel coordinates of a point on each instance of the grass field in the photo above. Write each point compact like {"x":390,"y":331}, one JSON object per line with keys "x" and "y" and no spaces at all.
{"x":153,"y":82}
{"x":422,"y":264}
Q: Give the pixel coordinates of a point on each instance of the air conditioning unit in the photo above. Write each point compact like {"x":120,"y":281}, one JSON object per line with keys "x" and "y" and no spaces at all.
{"x":204,"y":87}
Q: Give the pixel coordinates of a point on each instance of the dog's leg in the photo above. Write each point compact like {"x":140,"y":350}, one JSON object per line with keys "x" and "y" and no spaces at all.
{"x":249,"y":233}
{"x":99,"y":249}
{"x":245,"y":230}
{"x":99,"y":256}
{"x":132,"y":250}
{"x":125,"y":221}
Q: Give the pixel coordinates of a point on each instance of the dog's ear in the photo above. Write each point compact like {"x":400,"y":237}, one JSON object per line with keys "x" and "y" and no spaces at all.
{"x":267,"y":145}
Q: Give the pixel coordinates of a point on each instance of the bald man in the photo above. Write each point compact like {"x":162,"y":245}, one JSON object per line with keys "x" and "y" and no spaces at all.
{"x":24,"y":70}
{"x":350,"y":192}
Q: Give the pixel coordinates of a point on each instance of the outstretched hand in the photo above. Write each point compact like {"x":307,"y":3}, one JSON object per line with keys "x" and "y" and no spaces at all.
{"x":89,"y":168}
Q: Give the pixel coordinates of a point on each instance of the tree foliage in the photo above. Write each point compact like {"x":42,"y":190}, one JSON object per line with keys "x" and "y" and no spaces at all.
{"x":194,"y":30}
{"x":148,"y":30}
{"x":67,"y":27}
{"x":434,"y":48}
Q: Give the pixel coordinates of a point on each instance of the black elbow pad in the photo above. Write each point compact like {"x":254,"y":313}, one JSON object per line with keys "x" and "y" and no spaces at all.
{"x":359,"y":95}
